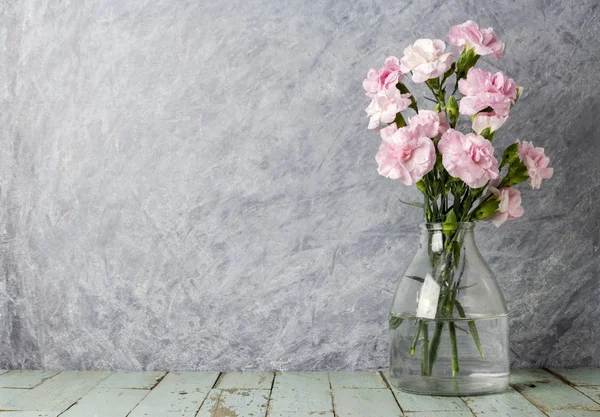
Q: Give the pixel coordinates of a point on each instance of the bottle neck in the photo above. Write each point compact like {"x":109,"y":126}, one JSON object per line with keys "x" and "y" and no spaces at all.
{"x":436,"y":237}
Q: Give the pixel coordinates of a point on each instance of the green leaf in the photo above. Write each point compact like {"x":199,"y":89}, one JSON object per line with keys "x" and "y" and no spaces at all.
{"x":462,"y":329}
{"x":472,"y":327}
{"x":415,"y":278}
{"x":433,"y":83}
{"x":475,"y":336}
{"x":395,"y":322}
{"x":449,"y":73}
{"x":421,"y":187}
{"x":399,"y":120}
{"x":404,"y":90}
{"x":412,"y":203}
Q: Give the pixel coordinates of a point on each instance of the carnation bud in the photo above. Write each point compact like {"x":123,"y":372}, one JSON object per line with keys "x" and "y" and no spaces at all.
{"x":452,"y":110}
{"x":450,"y":224}
{"x":421,"y":187}
{"x":510,"y":154}
{"x":519,"y":91}
{"x":487,"y":209}
{"x":517,"y":173}
{"x":466,"y":61}
{"x":487,"y":133}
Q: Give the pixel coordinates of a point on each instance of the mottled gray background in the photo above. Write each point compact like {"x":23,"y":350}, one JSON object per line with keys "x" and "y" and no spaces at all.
{"x":191,"y":185}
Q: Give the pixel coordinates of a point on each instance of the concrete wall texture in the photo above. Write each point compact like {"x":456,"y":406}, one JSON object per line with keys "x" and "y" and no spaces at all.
{"x":191,"y":185}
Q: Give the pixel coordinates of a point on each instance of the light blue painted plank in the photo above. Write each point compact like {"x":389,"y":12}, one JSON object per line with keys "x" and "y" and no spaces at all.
{"x":548,"y":393}
{"x":235,"y":402}
{"x":580,"y":376}
{"x":60,"y":392}
{"x":573,"y":413}
{"x":591,"y":391}
{"x":443,"y":414}
{"x":246,"y":380}
{"x":24,"y":379}
{"x":302,"y":414}
{"x":106,"y":402}
{"x":30,"y":414}
{"x":506,"y":404}
{"x":178,"y":391}
{"x":301,"y":392}
{"x":150,"y":413}
{"x":362,"y":402}
{"x":129,"y":380}
{"x":356,"y":380}
{"x":8,"y":396}
{"x":413,"y":403}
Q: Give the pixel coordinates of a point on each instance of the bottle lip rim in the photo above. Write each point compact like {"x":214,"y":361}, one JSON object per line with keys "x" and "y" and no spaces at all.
{"x":425,"y":226}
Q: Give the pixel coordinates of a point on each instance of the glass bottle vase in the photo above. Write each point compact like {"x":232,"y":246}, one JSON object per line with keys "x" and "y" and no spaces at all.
{"x":448,"y":321}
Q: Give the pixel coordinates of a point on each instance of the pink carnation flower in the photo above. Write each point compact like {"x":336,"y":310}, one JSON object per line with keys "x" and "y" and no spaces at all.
{"x":426,"y":59}
{"x":510,"y":205}
{"x":385,"y":105}
{"x":482,"y":89}
{"x":482,"y":121}
{"x":434,"y":123}
{"x":536,"y":162}
{"x":406,"y":155}
{"x":469,"y":35}
{"x":382,"y":79}
{"x":387,"y":132}
{"x":469,"y":157}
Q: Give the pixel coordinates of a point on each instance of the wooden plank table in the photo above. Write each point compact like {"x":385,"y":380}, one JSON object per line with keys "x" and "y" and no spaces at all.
{"x":533,"y":393}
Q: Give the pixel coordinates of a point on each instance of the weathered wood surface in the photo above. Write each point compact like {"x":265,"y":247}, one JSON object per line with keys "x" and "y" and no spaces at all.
{"x":533,"y":393}
{"x":178,"y":391}
{"x":106,"y":402}
{"x":579,"y":376}
{"x":24,"y":379}
{"x":508,"y":404}
{"x":361,"y":402}
{"x":235,"y":402}
{"x":301,"y":392}
{"x":59,"y":392}
{"x":246,"y":380}
{"x":548,"y":393}
{"x":133,"y":380}
{"x":356,"y":380}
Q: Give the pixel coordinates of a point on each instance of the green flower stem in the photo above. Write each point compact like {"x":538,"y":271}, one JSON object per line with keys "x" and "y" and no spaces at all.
{"x":415,"y":338}
{"x":425,"y":365}
{"x":434,"y":347}
{"x":454,"y":347}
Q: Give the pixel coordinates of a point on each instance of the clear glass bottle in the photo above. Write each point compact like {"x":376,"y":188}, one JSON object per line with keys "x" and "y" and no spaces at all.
{"x":449,"y":321}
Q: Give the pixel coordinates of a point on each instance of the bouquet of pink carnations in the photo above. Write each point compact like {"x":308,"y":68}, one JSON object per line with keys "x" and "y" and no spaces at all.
{"x":460,"y":178}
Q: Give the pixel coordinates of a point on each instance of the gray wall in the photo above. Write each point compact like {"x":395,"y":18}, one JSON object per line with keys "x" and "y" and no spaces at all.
{"x":191,"y":185}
